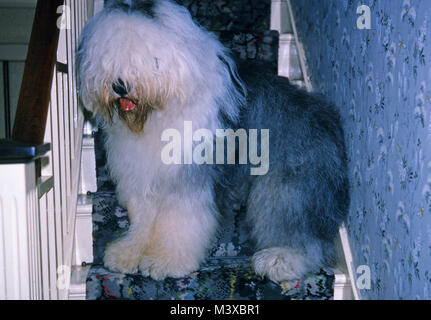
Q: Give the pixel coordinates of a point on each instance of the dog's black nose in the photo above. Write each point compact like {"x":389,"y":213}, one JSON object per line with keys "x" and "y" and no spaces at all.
{"x":120,"y":88}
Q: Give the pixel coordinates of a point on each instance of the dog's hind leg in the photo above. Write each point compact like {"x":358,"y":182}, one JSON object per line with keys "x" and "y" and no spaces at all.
{"x":291,"y":238}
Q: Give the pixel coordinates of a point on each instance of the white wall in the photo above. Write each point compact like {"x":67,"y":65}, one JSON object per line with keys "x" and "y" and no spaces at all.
{"x":16,"y":20}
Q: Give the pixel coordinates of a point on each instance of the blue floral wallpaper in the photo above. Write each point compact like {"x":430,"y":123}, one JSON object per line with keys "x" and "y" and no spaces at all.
{"x":380,"y":79}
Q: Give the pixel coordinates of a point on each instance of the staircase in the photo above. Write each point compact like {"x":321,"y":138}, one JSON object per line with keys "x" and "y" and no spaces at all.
{"x":70,"y":197}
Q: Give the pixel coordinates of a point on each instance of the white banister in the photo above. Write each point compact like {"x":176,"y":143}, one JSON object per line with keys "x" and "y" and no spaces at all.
{"x":40,"y":237}
{"x":20,"y":276}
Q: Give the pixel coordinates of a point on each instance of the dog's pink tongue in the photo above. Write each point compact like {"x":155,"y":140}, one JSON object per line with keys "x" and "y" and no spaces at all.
{"x":127,"y":105}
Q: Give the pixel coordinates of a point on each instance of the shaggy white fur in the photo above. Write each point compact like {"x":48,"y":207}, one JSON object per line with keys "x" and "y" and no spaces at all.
{"x":171,"y":61}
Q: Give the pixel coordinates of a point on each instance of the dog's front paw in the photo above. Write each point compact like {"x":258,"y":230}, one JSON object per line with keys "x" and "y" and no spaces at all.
{"x":122,"y":256}
{"x":159,"y":266}
{"x":279,"y":264}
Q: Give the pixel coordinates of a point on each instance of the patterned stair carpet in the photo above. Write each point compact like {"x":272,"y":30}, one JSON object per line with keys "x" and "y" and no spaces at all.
{"x":227,"y":273}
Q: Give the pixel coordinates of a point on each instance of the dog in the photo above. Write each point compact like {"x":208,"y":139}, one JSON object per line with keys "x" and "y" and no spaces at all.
{"x":145,"y":66}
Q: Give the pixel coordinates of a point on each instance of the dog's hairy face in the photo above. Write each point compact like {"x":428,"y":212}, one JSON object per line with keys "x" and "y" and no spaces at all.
{"x":128,"y":64}
{"x":132,"y":99}
{"x":113,"y":49}
{"x":139,"y":57}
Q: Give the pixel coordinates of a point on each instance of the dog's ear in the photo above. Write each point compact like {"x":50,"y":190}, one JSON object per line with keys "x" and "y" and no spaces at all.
{"x":230,"y":65}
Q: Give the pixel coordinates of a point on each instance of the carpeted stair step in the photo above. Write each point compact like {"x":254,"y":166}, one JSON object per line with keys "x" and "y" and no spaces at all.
{"x":227,"y":279}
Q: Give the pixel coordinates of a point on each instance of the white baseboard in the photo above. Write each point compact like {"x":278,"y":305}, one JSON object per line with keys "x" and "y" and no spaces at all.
{"x":84,"y":231}
{"x":88,"y":164}
{"x":78,"y":288}
{"x":348,"y":259}
{"x":344,"y":286}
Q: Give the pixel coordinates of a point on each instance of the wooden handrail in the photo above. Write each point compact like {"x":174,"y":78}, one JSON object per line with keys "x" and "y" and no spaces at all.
{"x":33,"y":103}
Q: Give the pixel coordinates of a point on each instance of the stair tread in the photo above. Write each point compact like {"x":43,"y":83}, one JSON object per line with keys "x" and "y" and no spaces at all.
{"x":215,"y":280}
{"x":230,"y":15}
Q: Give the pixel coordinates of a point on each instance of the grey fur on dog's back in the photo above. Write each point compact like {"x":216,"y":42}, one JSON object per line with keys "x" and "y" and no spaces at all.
{"x":304,"y":197}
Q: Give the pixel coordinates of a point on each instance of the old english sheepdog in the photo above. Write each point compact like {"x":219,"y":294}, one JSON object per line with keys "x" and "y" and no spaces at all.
{"x":150,"y":71}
